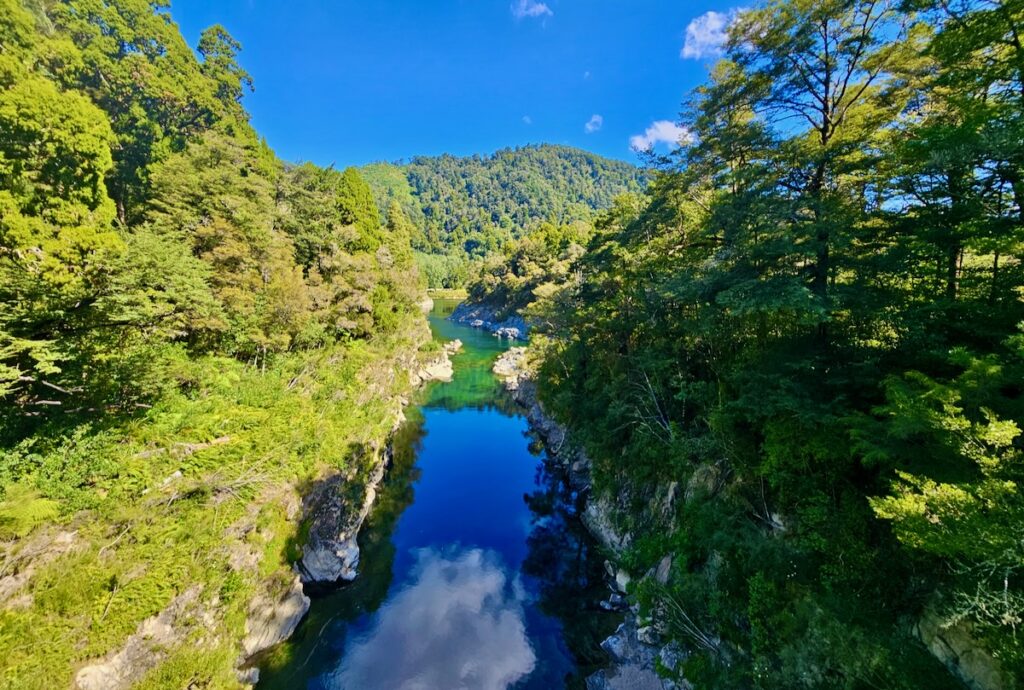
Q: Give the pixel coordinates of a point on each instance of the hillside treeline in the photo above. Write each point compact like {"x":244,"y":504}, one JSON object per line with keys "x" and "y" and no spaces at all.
{"x":467,"y":208}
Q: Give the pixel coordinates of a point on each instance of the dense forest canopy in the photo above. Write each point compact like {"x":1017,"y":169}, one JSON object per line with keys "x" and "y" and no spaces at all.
{"x":468,"y":207}
{"x":141,"y":210}
{"x":797,"y":362}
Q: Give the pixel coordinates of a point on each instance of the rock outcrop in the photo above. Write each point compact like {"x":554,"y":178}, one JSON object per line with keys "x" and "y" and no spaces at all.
{"x":274,"y":617}
{"x":23,"y":558}
{"x":146,"y":647}
{"x":511,"y":367}
{"x":957,"y":647}
{"x":486,"y":317}
{"x":438,"y":369}
{"x":635,"y":663}
{"x":334,"y":516}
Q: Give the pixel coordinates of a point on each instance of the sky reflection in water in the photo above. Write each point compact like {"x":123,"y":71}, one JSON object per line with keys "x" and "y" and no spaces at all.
{"x":458,"y":625}
{"x":473,"y":576}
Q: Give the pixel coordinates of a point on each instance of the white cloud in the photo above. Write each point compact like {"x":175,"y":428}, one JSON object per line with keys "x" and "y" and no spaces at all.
{"x":661,"y":132}
{"x":706,"y":35}
{"x":522,"y":9}
{"x":593,"y":124}
{"x":460,"y":624}
{"x":527,"y":120}
{"x":586,"y":75}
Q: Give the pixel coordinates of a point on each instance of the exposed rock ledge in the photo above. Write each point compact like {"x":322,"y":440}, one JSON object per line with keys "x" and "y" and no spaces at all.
{"x":485,"y":317}
{"x":438,"y":369}
{"x":335,"y":510}
{"x":635,"y":663}
{"x":331,"y":553}
{"x":958,"y":648}
{"x":274,"y":619}
{"x":147,"y":647}
{"x":335,"y":513}
{"x":634,"y":649}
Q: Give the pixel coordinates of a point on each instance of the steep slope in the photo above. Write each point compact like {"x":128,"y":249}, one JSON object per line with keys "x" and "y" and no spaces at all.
{"x":473,"y":204}
{"x":192,"y":334}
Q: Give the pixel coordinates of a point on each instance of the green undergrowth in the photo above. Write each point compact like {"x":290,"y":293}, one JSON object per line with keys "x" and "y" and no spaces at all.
{"x":200,"y":491}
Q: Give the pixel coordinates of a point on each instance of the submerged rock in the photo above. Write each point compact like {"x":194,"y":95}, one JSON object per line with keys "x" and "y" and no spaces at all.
{"x":485,"y":317}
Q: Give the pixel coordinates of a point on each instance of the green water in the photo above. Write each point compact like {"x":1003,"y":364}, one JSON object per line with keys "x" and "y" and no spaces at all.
{"x":475,"y":571}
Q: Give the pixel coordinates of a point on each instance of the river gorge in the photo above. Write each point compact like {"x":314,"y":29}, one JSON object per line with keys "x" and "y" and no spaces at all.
{"x":475,"y":570}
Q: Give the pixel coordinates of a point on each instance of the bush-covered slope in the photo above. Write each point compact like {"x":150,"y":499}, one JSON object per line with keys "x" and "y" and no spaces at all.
{"x":476,"y":203}
{"x":797,"y":365}
{"x":190,"y":331}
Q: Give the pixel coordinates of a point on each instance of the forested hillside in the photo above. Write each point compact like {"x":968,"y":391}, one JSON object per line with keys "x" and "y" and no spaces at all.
{"x":180,"y":316}
{"x":469,"y":207}
{"x":796,"y":363}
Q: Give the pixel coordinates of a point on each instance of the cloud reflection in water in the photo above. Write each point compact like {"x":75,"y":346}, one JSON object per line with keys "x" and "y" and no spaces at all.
{"x":458,"y":626}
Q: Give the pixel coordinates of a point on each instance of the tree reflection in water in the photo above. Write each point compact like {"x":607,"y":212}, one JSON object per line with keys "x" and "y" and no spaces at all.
{"x":568,"y":567}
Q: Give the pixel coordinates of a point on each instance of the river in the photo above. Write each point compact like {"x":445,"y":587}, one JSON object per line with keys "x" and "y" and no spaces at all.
{"x":475,"y":572}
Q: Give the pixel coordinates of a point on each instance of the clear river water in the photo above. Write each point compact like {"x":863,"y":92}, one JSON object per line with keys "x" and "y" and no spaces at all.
{"x":475,"y":571}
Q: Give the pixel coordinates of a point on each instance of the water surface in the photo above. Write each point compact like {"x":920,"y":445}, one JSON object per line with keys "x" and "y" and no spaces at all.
{"x":475,"y":572}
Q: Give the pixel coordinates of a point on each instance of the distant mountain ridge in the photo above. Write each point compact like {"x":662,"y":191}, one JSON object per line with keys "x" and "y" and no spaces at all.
{"x":473,"y":203}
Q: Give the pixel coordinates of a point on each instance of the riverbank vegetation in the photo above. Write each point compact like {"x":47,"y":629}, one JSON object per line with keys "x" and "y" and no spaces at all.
{"x":528,"y":270}
{"x":796,"y":363}
{"x":190,"y":330}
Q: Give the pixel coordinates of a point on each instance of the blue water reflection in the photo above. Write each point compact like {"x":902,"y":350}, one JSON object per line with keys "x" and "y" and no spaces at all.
{"x":473,"y":576}
{"x":459,"y":624}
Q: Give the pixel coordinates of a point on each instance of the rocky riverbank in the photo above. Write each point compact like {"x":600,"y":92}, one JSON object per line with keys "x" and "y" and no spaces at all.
{"x":486,"y":317}
{"x":635,"y":650}
{"x":332,"y":512}
{"x":338,"y":505}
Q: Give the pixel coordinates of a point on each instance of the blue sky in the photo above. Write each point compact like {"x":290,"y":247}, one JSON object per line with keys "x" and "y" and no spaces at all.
{"x":347,"y":82}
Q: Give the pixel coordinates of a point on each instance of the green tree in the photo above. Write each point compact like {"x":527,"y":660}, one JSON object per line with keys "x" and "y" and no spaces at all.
{"x":356,"y":207}
{"x":56,"y":235}
{"x":220,"y":52}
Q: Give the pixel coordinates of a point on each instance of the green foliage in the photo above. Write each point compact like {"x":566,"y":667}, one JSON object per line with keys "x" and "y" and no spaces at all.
{"x":446,"y":271}
{"x":189,"y":331}
{"x":532,"y":269}
{"x":357,"y":208}
{"x":469,"y":207}
{"x":807,"y":335}
{"x":23,"y":509}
